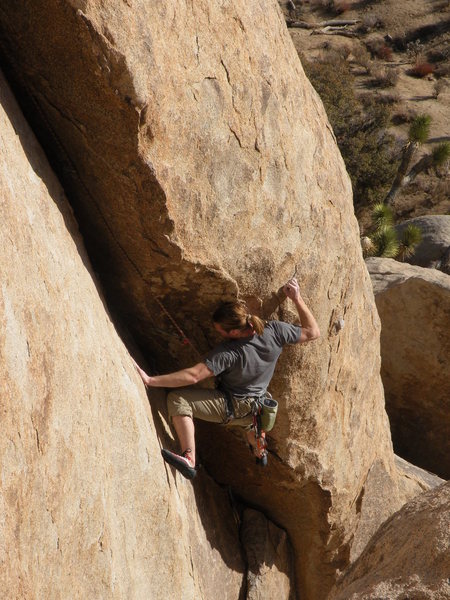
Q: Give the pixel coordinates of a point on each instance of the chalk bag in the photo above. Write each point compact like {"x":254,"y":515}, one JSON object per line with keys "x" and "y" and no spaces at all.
{"x":269,"y":408}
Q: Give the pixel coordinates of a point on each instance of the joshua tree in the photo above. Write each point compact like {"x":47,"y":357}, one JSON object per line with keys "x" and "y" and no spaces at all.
{"x":412,"y":236}
{"x":436,"y":158}
{"x":419,"y":132}
{"x":383,"y":240}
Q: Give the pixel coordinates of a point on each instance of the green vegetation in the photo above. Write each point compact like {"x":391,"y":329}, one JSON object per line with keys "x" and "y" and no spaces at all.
{"x":359,"y":126}
{"x":412,"y":236}
{"x":382,"y":215}
{"x":384,"y":241}
{"x":419,"y":130}
{"x":441,"y":154}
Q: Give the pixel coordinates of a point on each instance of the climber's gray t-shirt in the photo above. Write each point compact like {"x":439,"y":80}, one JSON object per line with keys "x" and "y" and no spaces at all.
{"x":246,"y":365}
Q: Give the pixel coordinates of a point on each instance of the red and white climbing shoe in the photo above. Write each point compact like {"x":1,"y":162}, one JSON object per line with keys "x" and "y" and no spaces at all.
{"x":180,"y":462}
{"x":259,"y":450}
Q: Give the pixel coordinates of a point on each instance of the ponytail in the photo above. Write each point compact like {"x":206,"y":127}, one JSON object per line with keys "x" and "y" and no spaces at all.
{"x":234,"y":315}
{"x":256,"y":324}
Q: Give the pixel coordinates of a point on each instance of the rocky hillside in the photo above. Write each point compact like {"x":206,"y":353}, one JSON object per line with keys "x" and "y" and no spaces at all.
{"x":395,"y":58}
{"x":200,"y":165}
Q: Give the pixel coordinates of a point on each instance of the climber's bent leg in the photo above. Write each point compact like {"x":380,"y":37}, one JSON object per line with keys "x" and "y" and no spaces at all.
{"x":184,"y":426}
{"x":207,"y":405}
{"x":185,"y":404}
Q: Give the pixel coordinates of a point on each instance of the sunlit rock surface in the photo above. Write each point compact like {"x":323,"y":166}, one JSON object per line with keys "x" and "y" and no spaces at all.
{"x":408,"y":557}
{"x":414,"y":307}
{"x":88,"y":509}
{"x":201,"y":166}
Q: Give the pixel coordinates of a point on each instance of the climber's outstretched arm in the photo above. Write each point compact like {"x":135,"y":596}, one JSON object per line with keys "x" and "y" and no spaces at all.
{"x":310,"y":329}
{"x":188,"y":376}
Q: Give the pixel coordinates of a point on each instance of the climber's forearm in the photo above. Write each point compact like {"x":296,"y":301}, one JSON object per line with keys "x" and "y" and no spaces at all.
{"x":176,"y":379}
{"x":310,"y":328}
{"x":188,"y":376}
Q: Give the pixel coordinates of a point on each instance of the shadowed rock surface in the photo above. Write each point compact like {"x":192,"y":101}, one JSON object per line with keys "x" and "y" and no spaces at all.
{"x":88,"y":509}
{"x":201,"y":166}
{"x":408,"y":557}
{"x":268,"y":558}
{"x":414,"y":307}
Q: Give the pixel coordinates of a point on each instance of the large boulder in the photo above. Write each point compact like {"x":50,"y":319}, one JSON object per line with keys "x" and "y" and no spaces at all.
{"x":434,"y":249}
{"x":414,"y":307}
{"x":201,"y":166}
{"x":408,"y":557}
{"x":88,"y":510}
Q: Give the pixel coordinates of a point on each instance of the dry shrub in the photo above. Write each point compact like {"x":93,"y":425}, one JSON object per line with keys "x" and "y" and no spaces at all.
{"x":442,"y":71}
{"x":385,"y":53}
{"x":363,"y":59}
{"x":441,"y":192}
{"x":345,"y":51}
{"x":369,"y":23}
{"x":440,"y":86}
{"x":340,"y":7}
{"x":421,"y":69}
{"x":388,"y":99}
{"x":360,"y":128}
{"x":403,"y":115}
{"x":414,"y":50}
{"x":383,"y":77}
{"x":379,"y":49}
{"x":335,"y":7}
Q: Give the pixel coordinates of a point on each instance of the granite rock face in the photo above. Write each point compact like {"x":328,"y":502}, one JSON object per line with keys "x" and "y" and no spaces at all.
{"x":414,"y":307}
{"x":414,"y":480}
{"x":87,"y":508}
{"x":201,"y":167}
{"x":408,"y":557}
{"x":269,"y":558}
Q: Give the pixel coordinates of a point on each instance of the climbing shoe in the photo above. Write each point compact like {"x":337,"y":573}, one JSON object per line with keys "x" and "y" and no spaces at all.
{"x":181,"y":463}
{"x":260,"y":457}
{"x":262,"y":460}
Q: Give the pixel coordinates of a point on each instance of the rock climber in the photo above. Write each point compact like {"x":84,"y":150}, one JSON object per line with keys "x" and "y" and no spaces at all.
{"x":243,"y":365}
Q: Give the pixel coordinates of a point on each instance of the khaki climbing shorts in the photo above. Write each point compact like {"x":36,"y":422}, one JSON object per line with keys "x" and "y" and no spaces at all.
{"x":209,"y":405}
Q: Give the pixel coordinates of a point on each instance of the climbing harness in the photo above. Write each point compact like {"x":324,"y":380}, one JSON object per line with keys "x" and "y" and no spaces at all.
{"x":229,"y":410}
{"x":264,"y":412}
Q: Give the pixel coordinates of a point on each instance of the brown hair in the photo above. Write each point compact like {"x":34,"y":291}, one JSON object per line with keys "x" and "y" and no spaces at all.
{"x":235,"y":315}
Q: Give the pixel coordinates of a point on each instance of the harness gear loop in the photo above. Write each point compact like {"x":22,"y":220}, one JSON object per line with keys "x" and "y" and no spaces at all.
{"x":229,"y":410}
